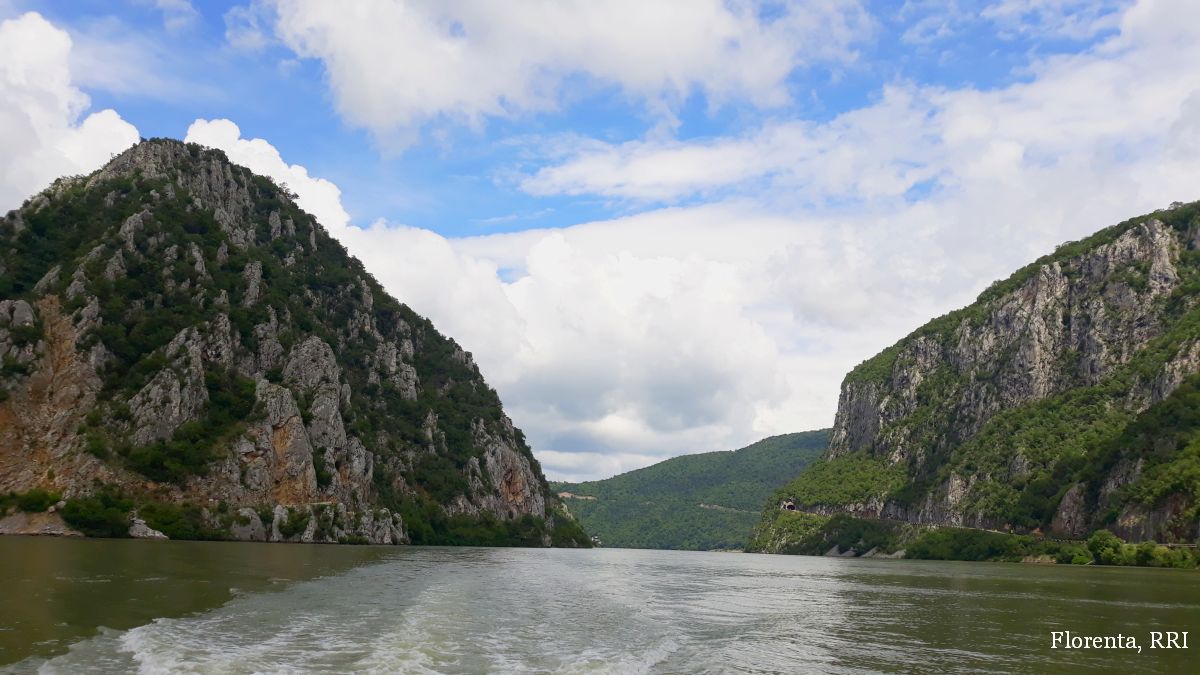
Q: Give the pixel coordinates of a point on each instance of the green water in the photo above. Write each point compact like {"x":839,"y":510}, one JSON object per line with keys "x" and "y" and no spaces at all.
{"x":57,"y":591}
{"x":120,"y":606}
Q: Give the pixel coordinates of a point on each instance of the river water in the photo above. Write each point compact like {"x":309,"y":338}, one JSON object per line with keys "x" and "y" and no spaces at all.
{"x":77,"y":606}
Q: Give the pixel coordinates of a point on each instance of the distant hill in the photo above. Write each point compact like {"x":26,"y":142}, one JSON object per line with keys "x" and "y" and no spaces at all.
{"x":695,"y":502}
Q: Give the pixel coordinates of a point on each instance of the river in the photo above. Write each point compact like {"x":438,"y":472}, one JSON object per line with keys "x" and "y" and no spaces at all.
{"x":78,"y":606}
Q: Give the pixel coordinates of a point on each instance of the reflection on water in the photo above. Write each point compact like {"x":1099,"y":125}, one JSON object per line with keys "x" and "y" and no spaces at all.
{"x":56,"y":591}
{"x":168,"y":607}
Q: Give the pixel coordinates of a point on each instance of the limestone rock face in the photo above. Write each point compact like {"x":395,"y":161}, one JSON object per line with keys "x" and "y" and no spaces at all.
{"x":138,"y":529}
{"x":1010,"y":412}
{"x":312,"y":364}
{"x":1071,"y":518}
{"x":163,"y":405}
{"x":209,"y":345}
{"x":281,"y":461}
{"x":247,"y":526}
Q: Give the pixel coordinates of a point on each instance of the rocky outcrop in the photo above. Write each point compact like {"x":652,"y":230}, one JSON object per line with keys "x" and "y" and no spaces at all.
{"x":37,"y":524}
{"x":1009,"y":413}
{"x":1012,"y":349}
{"x":138,"y":529}
{"x":1072,"y":519}
{"x":513,"y":489}
{"x":212,"y":347}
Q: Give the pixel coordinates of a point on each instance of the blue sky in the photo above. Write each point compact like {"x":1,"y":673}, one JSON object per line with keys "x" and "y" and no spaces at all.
{"x":458,"y":184}
{"x":661,"y":228}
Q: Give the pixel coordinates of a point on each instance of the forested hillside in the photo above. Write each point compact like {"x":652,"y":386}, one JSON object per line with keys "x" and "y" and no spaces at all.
{"x":705,"y":501}
{"x":186,"y":352}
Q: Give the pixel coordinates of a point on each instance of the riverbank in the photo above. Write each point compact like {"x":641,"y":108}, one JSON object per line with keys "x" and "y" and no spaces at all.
{"x":803,"y":533}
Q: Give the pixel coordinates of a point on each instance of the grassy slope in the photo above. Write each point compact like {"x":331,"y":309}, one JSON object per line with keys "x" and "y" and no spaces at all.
{"x":660,"y":506}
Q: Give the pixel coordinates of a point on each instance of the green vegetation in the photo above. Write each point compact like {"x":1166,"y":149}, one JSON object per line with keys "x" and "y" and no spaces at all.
{"x":977,"y":545}
{"x":848,"y":479}
{"x":428,"y":525}
{"x":296,"y":523}
{"x":24,"y":335}
{"x":194,"y":445}
{"x":132,"y":243}
{"x":795,"y":532}
{"x":108,"y":513}
{"x":1021,"y":461}
{"x":324,"y":475}
{"x":104,"y":514}
{"x":801,"y":533}
{"x":1167,"y":438}
{"x":567,"y":532}
{"x":1103,"y":548}
{"x":37,"y":501}
{"x":34,"y":501}
{"x":666,"y":522}
{"x":1108,"y":549}
{"x":178,"y":521}
{"x":694,"y":502}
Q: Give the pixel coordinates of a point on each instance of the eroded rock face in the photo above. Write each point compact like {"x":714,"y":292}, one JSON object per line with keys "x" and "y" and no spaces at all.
{"x":316,"y":403}
{"x":282,"y":455}
{"x":504,"y":484}
{"x":138,"y":529}
{"x":1072,"y":518}
{"x":254,"y":283}
{"x":1065,"y":323}
{"x":312,"y":364}
{"x":165,"y":404}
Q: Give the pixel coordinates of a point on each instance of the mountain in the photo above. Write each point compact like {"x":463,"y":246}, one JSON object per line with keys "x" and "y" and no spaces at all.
{"x":183,"y":347}
{"x":697,"y":502}
{"x":1065,"y":399}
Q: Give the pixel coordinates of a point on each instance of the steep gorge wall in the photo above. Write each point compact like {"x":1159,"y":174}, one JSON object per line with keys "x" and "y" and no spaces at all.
{"x":1051,"y":403}
{"x":174,"y":327}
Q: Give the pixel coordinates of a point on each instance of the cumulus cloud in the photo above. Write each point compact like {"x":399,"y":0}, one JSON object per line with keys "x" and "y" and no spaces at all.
{"x":394,"y":65}
{"x":630,"y":346}
{"x":1088,"y":136}
{"x":318,"y":196}
{"x":815,"y":244}
{"x":42,"y":135}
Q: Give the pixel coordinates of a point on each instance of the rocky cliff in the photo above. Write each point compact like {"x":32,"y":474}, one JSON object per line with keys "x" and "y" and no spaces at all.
{"x":177,"y":338}
{"x":1065,"y":399}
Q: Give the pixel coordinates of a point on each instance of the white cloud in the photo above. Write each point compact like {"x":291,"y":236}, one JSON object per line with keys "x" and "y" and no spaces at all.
{"x":872,"y":152}
{"x":1105,"y":116}
{"x":634,"y":346}
{"x":930,"y":21}
{"x":317,"y":196}
{"x":394,"y":65}
{"x":695,"y":328}
{"x":244,"y":26}
{"x":41,"y":134}
{"x":178,"y":15}
{"x":1072,"y":19}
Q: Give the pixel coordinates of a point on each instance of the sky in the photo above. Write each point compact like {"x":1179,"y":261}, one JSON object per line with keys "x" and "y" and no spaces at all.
{"x":660,"y":227}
